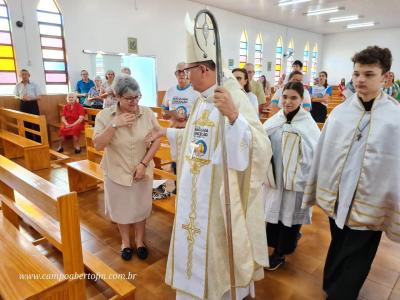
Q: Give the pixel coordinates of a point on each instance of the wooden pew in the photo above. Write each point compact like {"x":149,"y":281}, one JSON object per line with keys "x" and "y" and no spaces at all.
{"x":54,"y":127}
{"x":55,"y":215}
{"x":15,"y":144}
{"x":84,"y":175}
{"x":158,"y":111}
{"x":20,"y":258}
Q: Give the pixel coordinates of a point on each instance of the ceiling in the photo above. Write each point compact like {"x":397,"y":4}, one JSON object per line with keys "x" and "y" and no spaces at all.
{"x":386,"y":13}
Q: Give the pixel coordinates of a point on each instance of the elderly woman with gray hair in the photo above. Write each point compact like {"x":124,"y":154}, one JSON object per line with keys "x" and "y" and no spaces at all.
{"x":94,"y":99}
{"x":120,"y":131}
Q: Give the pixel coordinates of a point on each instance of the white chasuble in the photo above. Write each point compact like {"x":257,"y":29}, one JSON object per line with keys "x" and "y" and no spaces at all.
{"x":197,"y":264}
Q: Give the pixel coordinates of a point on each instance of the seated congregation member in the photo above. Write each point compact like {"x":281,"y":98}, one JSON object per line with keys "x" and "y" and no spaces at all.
{"x":178,"y":99}
{"x":391,"y":87}
{"x":355,"y":174}
{"x":107,"y":92}
{"x":294,"y":136}
{"x":295,"y":76}
{"x":94,"y":99}
{"x":243,"y":79}
{"x":28,"y":94}
{"x":320,"y":95}
{"x":255,"y":87}
{"x":342,"y":87}
{"x":120,"y":131}
{"x":83,"y":87}
{"x":72,"y":118}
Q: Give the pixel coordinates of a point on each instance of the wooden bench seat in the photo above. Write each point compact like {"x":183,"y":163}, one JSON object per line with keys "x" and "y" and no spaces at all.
{"x":15,"y":144}
{"x":54,"y":214}
{"x":18,"y":258}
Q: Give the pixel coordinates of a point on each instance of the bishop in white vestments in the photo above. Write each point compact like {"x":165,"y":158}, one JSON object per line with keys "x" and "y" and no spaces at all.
{"x":355,"y":176}
{"x":197,"y":264}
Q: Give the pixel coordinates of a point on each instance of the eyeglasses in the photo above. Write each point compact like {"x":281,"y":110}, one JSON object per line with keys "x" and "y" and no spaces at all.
{"x":189,"y":68}
{"x":179,"y":72}
{"x":133,"y":98}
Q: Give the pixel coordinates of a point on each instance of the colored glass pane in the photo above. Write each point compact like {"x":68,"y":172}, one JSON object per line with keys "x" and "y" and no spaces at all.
{"x":4,"y":24}
{"x":54,"y":66}
{"x":52,"y":42}
{"x":7,"y":64}
{"x":243,"y":52}
{"x":5,"y":38}
{"x":3,"y":12}
{"x":57,"y":89}
{"x":278,"y":50}
{"x":50,"y":30}
{"x":51,"y":77}
{"x":6,"y":51}
{"x":47,"y":5}
{"x":49,"y":17}
{"x":8,"y":77}
{"x":7,"y":89}
{"x":53,"y":54}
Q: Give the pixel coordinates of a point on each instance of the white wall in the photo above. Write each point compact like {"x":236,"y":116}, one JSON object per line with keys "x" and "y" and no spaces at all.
{"x":158,"y":25}
{"x":339,"y":48}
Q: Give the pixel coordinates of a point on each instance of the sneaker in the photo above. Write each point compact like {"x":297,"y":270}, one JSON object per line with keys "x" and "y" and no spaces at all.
{"x":275,"y":262}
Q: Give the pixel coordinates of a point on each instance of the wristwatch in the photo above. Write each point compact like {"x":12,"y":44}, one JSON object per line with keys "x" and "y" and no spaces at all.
{"x":113,"y":125}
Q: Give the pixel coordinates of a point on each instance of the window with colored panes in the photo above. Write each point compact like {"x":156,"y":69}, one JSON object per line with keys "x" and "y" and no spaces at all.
{"x":258,"y":56}
{"x":306,"y":59}
{"x":290,"y":60}
{"x":314,"y":64}
{"x":51,"y":31}
{"x":8,"y":74}
{"x":278,"y":59}
{"x":243,"y":51}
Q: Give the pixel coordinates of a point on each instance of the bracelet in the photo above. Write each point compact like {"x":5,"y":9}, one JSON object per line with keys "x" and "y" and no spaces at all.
{"x":143,"y":164}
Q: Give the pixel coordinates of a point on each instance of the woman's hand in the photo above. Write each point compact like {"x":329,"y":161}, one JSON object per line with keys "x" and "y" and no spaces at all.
{"x":124,"y":119}
{"x":155,"y":134}
{"x":223,"y":101}
{"x":139,"y":172}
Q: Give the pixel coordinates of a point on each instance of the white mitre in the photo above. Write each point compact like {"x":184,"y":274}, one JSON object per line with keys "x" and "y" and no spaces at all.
{"x":193,"y":52}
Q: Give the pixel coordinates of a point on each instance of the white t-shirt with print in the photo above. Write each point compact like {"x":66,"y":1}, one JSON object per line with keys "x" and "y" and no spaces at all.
{"x":180,"y":100}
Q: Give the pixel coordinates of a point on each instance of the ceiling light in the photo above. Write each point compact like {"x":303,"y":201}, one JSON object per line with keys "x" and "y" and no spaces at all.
{"x":290,"y":2}
{"x":323,"y":11}
{"x":359,"y":25}
{"x":343,"y":19}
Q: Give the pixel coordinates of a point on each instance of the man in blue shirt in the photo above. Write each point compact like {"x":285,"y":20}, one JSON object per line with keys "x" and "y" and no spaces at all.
{"x":83,"y":86}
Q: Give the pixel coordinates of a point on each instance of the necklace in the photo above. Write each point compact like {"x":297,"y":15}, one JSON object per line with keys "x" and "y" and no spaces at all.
{"x":360,"y":131}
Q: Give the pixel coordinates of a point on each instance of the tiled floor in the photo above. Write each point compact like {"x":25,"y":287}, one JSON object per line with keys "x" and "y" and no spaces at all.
{"x":299,"y":279}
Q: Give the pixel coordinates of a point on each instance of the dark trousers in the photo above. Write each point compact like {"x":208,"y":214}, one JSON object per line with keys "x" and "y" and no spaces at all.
{"x":319,"y":112}
{"x":282,"y":238}
{"x":349,"y":260}
{"x":31,"y":107}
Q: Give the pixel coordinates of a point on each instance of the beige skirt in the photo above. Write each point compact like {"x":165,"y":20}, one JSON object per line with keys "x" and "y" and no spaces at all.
{"x":128,"y":204}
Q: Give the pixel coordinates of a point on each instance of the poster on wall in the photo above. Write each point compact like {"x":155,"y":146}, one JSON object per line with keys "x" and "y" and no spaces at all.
{"x":132,"y":45}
